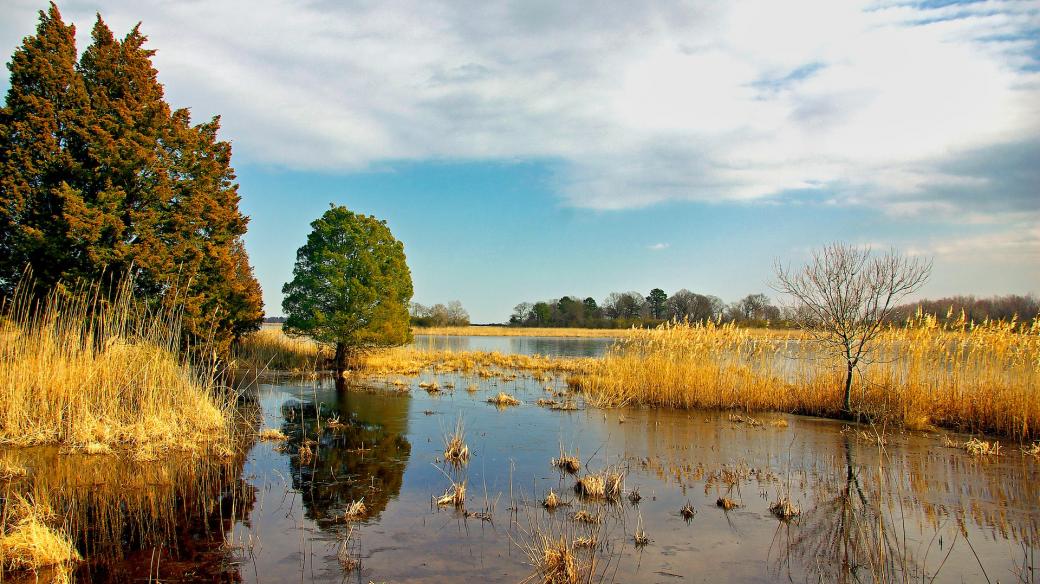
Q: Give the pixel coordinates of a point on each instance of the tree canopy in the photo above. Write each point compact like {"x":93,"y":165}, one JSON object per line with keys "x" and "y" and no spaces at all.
{"x":351,"y":285}
{"x":100,"y":179}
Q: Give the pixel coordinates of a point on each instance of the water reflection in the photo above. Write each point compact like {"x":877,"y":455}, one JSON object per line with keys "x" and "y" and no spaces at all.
{"x":359,"y":451}
{"x":550,"y":346}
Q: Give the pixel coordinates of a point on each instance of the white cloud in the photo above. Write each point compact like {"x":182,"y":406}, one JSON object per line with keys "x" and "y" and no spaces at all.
{"x":863,"y":103}
{"x":658,"y":246}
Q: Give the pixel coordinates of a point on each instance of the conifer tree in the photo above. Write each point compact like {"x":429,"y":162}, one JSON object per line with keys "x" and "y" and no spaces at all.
{"x":102,"y":180}
{"x":42,"y":128}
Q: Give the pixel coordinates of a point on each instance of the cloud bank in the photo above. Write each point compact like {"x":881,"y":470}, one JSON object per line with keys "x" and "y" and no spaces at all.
{"x":917,"y":109}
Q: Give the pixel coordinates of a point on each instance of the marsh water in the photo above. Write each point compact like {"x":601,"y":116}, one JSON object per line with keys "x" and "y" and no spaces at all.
{"x":912,"y":506}
{"x":549,"y":346}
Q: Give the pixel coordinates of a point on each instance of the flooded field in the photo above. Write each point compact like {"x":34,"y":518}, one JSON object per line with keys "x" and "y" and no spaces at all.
{"x":915,"y":507}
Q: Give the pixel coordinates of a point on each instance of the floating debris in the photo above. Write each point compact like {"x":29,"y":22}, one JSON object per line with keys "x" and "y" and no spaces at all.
{"x":741,"y":419}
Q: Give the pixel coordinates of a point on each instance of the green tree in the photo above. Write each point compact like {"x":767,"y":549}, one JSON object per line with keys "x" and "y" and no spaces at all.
{"x":351,"y":286}
{"x":656,"y":301}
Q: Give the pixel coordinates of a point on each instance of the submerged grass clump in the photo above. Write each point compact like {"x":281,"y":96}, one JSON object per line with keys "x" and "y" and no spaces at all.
{"x":272,"y":435}
{"x":87,"y":372}
{"x":607,"y":484}
{"x":503,"y":399}
{"x":976,"y":377}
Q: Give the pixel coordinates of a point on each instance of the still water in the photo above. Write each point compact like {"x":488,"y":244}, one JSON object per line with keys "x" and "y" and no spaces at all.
{"x":549,"y":346}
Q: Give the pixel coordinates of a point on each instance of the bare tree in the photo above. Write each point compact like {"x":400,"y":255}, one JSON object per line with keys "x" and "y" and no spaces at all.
{"x":845,"y":294}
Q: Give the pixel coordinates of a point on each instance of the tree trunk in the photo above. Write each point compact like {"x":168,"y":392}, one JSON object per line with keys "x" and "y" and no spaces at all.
{"x":848,"y":389}
{"x":342,"y":359}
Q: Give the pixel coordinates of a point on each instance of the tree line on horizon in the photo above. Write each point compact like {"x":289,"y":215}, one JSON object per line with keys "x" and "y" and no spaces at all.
{"x":102,"y":181}
{"x":628,"y":309}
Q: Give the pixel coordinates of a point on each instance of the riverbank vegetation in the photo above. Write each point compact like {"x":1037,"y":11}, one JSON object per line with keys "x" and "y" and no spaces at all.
{"x":973,"y":377}
{"x":90,"y":374}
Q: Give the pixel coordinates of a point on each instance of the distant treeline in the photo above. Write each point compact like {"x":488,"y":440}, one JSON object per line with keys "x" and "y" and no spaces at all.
{"x":628,"y":309}
{"x":450,"y":314}
{"x":975,"y":309}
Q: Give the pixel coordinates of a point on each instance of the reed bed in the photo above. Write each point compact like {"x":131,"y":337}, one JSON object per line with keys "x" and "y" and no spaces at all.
{"x":85,"y":371}
{"x":412,"y":362}
{"x":271,"y":349}
{"x":974,"y":377}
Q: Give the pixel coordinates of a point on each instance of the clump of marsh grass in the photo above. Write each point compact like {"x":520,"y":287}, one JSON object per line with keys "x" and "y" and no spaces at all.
{"x":272,"y":435}
{"x":976,"y":447}
{"x":634,"y":497}
{"x":583,"y":516}
{"x":741,"y":419}
{"x":430,"y":386}
{"x":566,"y":462}
{"x":455,"y":450}
{"x":640,"y":537}
{"x":87,"y":369}
{"x":306,"y":454}
{"x":607,"y":484}
{"x":687,"y":512}
{"x":356,"y":511}
{"x":29,"y":544}
{"x":472,"y":388}
{"x":455,"y":495}
{"x":503,"y":399}
{"x":552,"y":500}
{"x":784,"y":510}
{"x":1033,"y":450}
{"x":726,"y":504}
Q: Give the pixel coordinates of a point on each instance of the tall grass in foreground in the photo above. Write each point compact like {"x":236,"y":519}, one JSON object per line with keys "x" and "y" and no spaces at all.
{"x":966,"y":376}
{"x":85,"y":372}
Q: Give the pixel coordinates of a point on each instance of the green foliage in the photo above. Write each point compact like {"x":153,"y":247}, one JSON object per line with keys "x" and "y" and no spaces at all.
{"x":351,"y":285}
{"x":100,"y":179}
{"x":656,"y":301}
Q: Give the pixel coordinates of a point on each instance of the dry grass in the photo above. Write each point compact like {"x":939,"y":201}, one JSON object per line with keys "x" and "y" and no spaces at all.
{"x":552,"y":500}
{"x":607,"y":484}
{"x":411,"y":361}
{"x":29,"y":544}
{"x":503,"y":399}
{"x":976,"y":377}
{"x":356,"y":511}
{"x":976,"y":447}
{"x":273,"y":434}
{"x":271,"y":349}
{"x":455,"y":450}
{"x":567,"y":463}
{"x":85,"y":373}
{"x":454,"y":496}
{"x":726,"y":504}
{"x":784,"y":510}
{"x":687,"y":512}
{"x":10,"y":471}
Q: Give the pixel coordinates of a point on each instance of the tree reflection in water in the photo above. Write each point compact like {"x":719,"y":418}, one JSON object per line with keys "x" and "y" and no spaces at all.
{"x":362,"y":457}
{"x":846,"y":536}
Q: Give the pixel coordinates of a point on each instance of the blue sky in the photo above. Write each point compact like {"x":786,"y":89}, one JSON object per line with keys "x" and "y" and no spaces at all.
{"x":527,"y":150}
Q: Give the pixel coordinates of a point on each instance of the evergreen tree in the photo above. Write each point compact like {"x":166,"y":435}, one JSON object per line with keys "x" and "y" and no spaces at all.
{"x":102,"y":179}
{"x":42,"y":129}
{"x":351,"y":285}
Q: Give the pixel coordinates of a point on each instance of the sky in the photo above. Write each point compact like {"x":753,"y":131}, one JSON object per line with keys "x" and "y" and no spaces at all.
{"x":528,"y":150}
